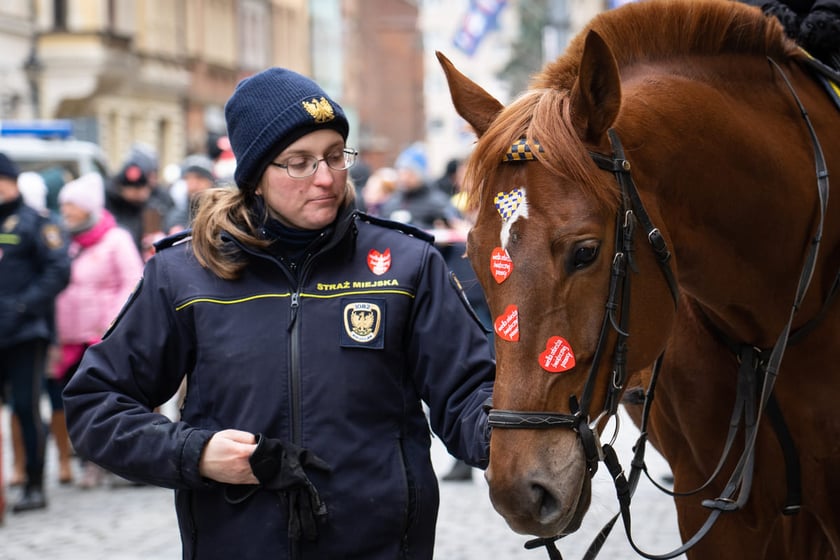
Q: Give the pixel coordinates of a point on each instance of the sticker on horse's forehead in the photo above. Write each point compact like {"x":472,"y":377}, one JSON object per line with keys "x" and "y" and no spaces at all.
{"x":511,"y":206}
{"x":507,"y":203}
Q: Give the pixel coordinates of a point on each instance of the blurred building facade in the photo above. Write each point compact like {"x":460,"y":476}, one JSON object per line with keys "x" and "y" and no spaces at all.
{"x":158,"y":72}
{"x":153,"y":72}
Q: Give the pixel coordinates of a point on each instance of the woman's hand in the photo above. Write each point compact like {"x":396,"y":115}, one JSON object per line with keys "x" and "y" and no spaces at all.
{"x":226,"y":457}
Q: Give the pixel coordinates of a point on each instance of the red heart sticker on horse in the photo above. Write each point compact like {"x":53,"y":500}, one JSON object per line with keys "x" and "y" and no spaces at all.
{"x":501,"y":265}
{"x":379,"y":263}
{"x":507,"y":324}
{"x":558,"y":355}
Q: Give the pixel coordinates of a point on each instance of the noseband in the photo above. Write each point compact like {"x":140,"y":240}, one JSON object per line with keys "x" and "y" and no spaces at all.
{"x":616,"y":316}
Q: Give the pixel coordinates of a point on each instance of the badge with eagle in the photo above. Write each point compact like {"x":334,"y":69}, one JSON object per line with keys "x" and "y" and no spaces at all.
{"x":362,"y":321}
{"x":320,"y":110}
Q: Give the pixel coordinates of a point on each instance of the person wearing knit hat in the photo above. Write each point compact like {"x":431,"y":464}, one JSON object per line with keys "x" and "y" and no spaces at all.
{"x":82,"y":201}
{"x":105,"y":268}
{"x":8,"y":168}
{"x":198,"y":164}
{"x":308,"y":336}
{"x":34,"y":268}
{"x":268,"y":112}
{"x":137,"y":204}
{"x":416,"y":202}
{"x":413,"y":159}
{"x":33,"y":188}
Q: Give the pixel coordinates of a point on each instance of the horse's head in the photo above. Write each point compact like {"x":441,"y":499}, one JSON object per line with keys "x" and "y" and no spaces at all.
{"x":544,"y":247}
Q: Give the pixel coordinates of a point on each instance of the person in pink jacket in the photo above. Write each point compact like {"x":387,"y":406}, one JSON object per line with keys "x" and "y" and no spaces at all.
{"x":106,"y":267}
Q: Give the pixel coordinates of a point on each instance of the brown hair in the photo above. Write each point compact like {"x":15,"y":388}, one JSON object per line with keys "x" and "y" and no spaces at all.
{"x":228,"y":210}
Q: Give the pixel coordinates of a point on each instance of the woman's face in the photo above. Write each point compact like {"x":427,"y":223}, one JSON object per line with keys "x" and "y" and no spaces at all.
{"x":74,"y":216}
{"x":311,"y":202}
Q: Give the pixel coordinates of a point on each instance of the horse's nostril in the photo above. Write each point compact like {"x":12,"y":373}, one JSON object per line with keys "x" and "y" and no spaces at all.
{"x":548,"y":505}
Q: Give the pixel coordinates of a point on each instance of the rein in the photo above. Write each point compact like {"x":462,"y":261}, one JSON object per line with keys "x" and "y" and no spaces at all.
{"x":754,"y":363}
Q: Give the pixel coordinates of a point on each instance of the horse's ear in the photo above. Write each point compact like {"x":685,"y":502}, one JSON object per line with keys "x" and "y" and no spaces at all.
{"x":596,"y":95}
{"x":478,"y":107}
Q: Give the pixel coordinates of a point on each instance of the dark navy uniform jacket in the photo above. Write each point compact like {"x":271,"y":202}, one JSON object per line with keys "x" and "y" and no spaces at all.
{"x":337,"y":361}
{"x":34,"y":268}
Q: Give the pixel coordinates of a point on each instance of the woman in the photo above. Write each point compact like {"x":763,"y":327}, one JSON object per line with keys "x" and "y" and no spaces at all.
{"x":105,"y":267}
{"x":310,"y":336}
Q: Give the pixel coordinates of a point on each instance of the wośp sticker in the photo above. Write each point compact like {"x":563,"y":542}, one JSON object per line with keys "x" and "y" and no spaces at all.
{"x":501,"y":264}
{"x":506,"y":325}
{"x":558,"y":355}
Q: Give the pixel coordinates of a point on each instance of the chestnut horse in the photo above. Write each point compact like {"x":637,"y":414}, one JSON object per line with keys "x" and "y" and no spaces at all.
{"x":660,"y":190}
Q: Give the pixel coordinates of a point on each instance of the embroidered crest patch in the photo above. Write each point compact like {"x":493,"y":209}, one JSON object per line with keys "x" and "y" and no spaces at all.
{"x":379,"y":263}
{"x":52,"y":236}
{"x":363,"y":323}
{"x":10,"y":223}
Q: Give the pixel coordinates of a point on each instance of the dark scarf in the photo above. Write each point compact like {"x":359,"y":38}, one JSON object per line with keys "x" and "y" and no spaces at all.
{"x":10,"y":206}
{"x":288,"y":243}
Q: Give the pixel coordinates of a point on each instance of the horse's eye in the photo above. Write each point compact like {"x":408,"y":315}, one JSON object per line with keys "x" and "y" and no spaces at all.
{"x":584,"y":256}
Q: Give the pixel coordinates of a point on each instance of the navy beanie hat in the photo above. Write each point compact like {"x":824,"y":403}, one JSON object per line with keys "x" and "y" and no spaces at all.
{"x":8,"y":168}
{"x":269,"y":111}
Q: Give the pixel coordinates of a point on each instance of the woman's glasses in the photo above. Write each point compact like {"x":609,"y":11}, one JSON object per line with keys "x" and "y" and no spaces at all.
{"x":305,"y":165}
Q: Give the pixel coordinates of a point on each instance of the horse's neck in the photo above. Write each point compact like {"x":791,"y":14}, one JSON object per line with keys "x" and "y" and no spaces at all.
{"x":736,"y":190}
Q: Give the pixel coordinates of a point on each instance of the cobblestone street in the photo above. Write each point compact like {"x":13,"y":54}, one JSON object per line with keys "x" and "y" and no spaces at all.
{"x":123,"y":522}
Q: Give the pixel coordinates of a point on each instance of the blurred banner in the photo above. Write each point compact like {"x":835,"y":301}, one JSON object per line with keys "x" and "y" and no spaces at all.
{"x":480,"y":19}
{"x":616,"y":3}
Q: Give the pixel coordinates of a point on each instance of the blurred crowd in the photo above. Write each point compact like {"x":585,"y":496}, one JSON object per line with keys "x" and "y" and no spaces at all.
{"x":82,"y":255}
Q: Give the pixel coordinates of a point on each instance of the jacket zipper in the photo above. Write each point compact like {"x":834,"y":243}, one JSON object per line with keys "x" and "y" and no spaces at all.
{"x":294,"y":368}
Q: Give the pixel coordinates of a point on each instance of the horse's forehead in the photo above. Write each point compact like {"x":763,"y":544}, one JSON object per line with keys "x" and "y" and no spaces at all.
{"x":511,"y":207}
{"x":537,"y":197}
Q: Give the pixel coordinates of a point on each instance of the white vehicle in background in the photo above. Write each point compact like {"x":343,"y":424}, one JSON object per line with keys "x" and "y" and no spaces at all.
{"x":48,"y":148}
{"x":40,"y":145}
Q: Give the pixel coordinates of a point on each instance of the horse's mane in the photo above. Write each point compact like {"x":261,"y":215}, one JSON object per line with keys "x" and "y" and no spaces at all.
{"x":650,"y":30}
{"x":654,"y":30}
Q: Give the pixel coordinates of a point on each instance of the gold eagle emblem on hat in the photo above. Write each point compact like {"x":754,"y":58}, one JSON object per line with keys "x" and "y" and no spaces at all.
{"x":319,"y":109}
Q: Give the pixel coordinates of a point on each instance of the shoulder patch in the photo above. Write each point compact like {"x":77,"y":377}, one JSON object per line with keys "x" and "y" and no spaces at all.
{"x":52,"y":236}
{"x":399,"y":226}
{"x":172,"y":240}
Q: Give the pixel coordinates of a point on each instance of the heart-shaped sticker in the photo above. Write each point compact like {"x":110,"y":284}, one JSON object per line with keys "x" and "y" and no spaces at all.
{"x":507,"y":202}
{"x":507,"y":324}
{"x":558,"y":355}
{"x":501,"y":264}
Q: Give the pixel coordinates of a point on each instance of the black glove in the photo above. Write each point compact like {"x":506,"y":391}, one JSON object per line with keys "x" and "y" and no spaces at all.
{"x":278,"y":465}
{"x":820,"y":32}
{"x":788,"y":18}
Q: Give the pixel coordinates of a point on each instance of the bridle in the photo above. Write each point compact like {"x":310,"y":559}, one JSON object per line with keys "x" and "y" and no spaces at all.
{"x":631,"y":210}
{"x":616,"y":317}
